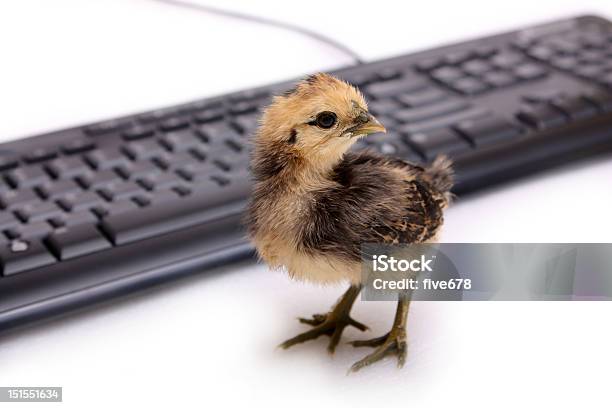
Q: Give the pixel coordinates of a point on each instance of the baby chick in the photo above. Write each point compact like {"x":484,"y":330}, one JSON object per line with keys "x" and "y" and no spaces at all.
{"x":315,"y":202}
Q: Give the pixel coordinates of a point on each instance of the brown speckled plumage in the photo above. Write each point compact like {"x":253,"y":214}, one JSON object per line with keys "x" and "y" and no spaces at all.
{"x":373,"y":199}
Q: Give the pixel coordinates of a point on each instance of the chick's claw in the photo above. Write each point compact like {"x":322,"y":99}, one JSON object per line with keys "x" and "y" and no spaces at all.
{"x":392,"y":343}
{"x":316,"y":320}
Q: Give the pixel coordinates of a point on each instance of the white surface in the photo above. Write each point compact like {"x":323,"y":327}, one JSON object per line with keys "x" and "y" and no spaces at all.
{"x":210,"y":340}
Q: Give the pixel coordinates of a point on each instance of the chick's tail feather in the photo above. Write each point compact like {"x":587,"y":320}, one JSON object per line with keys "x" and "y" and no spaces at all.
{"x":440,"y":174}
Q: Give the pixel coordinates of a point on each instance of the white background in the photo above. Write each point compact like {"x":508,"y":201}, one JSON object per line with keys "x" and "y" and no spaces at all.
{"x":210,"y":340}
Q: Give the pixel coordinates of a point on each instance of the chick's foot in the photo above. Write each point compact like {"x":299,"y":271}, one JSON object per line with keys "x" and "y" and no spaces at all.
{"x":392,"y":343}
{"x":330,"y":324}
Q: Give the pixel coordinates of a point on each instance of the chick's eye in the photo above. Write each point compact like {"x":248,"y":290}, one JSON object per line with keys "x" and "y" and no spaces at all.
{"x":326,"y":120}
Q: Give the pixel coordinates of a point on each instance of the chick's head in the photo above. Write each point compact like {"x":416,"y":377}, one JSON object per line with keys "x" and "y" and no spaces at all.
{"x":319,"y":120}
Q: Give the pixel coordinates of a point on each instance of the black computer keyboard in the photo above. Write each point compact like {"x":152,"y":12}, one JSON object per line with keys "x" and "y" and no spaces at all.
{"x":102,"y":210}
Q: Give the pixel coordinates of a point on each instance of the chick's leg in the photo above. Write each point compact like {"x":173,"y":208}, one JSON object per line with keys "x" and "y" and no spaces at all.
{"x":393,"y":342}
{"x":331,"y":324}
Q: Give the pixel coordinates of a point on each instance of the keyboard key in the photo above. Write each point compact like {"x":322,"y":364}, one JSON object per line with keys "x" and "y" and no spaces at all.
{"x":59,"y":188}
{"x":394,"y":146}
{"x":41,"y":154}
{"x":216,"y":131}
{"x":181,"y":141}
{"x":457,"y":57}
{"x":222,"y":164}
{"x":592,"y":72}
{"x":202,"y":105}
{"x":602,"y":99}
{"x":189,"y":171}
{"x":530,"y":71}
{"x":589,"y":56}
{"x":243,"y":107}
{"x":507,"y":59}
{"x":109,"y":126}
{"x":161,"y":181}
{"x":76,"y":218}
{"x":106,"y":159}
{"x":34,"y":230}
{"x":140,"y":169}
{"x":430,"y":111}
{"x":248,"y":95}
{"x":498,"y":79}
{"x":76,"y":241}
{"x":387,"y":73}
{"x":443,"y":121}
{"x":429,"y":64}
{"x":4,"y":186}
{"x":488,"y":130}
{"x":174,"y":124}
{"x":144,"y":149}
{"x":485,"y":51}
{"x":565,"y":62}
{"x":430,"y":144}
{"x":98,"y":179}
{"x":22,"y":255}
{"x":115,"y":208}
{"x":15,"y":198}
{"x":607,"y":79}
{"x":575,"y":107}
{"x":564,"y":46}
{"x":138,"y":132}
{"x":384,"y":107}
{"x":8,"y":220}
{"x":246,"y":124}
{"x":162,"y":196}
{"x":67,"y":167}
{"x":157,"y":115}
{"x":234,"y":145}
{"x":37,"y":211}
{"x":120,"y":190}
{"x":447,"y":74}
{"x":78,"y":146}
{"x":541,"y":116}
{"x":28,"y":176}
{"x":170,"y":161}
{"x":476,"y":67}
{"x":594,"y":40}
{"x":208,"y":115}
{"x":541,"y":53}
{"x":543,"y":96}
{"x":469,"y":86}
{"x":395,"y":87}
{"x":156,"y":219}
{"x":197,"y":106}
{"x":8,"y":160}
{"x":80,"y":202}
{"x":201,"y":153}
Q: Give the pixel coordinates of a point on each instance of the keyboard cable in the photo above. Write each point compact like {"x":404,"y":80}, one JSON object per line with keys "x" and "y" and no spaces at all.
{"x":269,"y":22}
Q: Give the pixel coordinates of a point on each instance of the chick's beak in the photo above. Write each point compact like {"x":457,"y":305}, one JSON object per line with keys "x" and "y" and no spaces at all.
{"x":368,"y":124}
